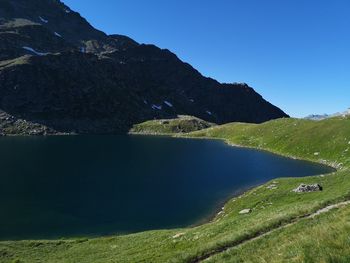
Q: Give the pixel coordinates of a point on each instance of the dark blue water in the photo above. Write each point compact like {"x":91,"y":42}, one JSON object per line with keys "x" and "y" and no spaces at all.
{"x":53,"y":187}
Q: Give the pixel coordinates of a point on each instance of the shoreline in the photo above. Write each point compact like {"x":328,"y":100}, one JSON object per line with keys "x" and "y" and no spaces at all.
{"x":220,"y":207}
{"x":211,"y":217}
{"x":333,"y":165}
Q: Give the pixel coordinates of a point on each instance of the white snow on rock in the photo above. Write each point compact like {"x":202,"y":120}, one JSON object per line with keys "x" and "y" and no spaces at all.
{"x":145,"y":102}
{"x":168,"y":104}
{"x":83,"y":50}
{"x":209,"y":112}
{"x":43,"y":20}
{"x":34,"y":51}
{"x":156,"y":107}
{"x":192,"y":100}
{"x":57,"y":35}
{"x":67,"y":11}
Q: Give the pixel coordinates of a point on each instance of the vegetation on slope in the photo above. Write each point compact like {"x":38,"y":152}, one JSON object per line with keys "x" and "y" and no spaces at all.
{"x":326,"y":141}
{"x":182,"y":124}
{"x":322,"y":239}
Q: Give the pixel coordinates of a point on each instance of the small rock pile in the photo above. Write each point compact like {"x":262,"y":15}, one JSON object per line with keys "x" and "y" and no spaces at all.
{"x":306,"y":188}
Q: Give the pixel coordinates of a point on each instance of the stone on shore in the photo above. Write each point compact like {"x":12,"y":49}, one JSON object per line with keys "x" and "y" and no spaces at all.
{"x":245,"y":211}
{"x":307,"y":188}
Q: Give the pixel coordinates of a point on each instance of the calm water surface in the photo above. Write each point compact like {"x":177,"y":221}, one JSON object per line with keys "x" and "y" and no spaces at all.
{"x":53,"y":187}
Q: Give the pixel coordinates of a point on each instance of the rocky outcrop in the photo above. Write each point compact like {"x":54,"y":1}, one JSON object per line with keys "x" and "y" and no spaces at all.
{"x":306,"y":188}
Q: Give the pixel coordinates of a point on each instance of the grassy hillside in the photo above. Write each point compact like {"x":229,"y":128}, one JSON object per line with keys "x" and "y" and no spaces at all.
{"x":182,"y":124}
{"x":313,"y":238}
{"x":322,"y":239}
{"x":326,"y":141}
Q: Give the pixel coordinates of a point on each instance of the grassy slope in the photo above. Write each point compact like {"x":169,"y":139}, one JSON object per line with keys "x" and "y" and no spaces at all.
{"x":293,"y":137}
{"x":322,"y":239}
{"x":182,"y":124}
{"x":300,"y":138}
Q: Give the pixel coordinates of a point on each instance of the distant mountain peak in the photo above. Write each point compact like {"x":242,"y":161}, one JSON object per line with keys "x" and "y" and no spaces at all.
{"x":326,"y":116}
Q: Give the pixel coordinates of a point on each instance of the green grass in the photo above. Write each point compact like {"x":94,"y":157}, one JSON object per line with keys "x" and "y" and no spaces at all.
{"x":329,"y":139}
{"x":325,"y":238}
{"x":182,"y":124}
{"x":270,"y":208}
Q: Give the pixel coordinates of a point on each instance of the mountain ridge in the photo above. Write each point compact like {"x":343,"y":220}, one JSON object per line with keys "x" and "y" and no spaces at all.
{"x":59,"y":71}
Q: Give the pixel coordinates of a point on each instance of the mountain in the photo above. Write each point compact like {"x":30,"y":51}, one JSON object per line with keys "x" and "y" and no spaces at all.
{"x":317,"y":117}
{"x":60,"y":73}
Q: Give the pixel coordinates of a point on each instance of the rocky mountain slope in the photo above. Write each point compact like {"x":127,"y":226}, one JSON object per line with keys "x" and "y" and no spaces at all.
{"x":58,"y":72}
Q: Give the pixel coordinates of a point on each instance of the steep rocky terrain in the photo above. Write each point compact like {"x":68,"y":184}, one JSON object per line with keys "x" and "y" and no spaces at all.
{"x":58,"y":72}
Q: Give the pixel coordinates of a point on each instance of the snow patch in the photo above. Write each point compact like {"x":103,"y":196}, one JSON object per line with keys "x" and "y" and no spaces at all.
{"x":192,"y":100}
{"x":57,"y":35}
{"x":67,"y":11}
{"x":43,"y":20}
{"x":145,"y":102}
{"x":34,"y":51}
{"x":168,"y":104}
{"x":83,"y":50}
{"x":156,"y":107}
{"x":209,"y":112}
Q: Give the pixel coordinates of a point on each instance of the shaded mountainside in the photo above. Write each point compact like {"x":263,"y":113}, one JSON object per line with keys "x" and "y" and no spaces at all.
{"x":56,"y":70}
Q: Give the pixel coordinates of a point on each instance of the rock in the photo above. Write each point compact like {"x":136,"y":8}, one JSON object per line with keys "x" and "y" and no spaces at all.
{"x":317,"y":154}
{"x":178,"y":235}
{"x":272,"y":187}
{"x":245,"y":211}
{"x":304,"y":188}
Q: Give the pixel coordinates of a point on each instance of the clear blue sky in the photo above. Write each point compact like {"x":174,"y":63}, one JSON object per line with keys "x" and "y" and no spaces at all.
{"x":295,"y":53}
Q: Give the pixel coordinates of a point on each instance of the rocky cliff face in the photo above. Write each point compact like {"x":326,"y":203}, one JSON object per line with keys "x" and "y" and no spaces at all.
{"x":56,"y":70}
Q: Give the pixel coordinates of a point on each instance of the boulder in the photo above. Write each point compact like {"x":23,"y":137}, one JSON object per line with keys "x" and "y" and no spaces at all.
{"x":178,"y":235}
{"x":245,"y":211}
{"x":272,"y":186}
{"x":306,"y":188}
